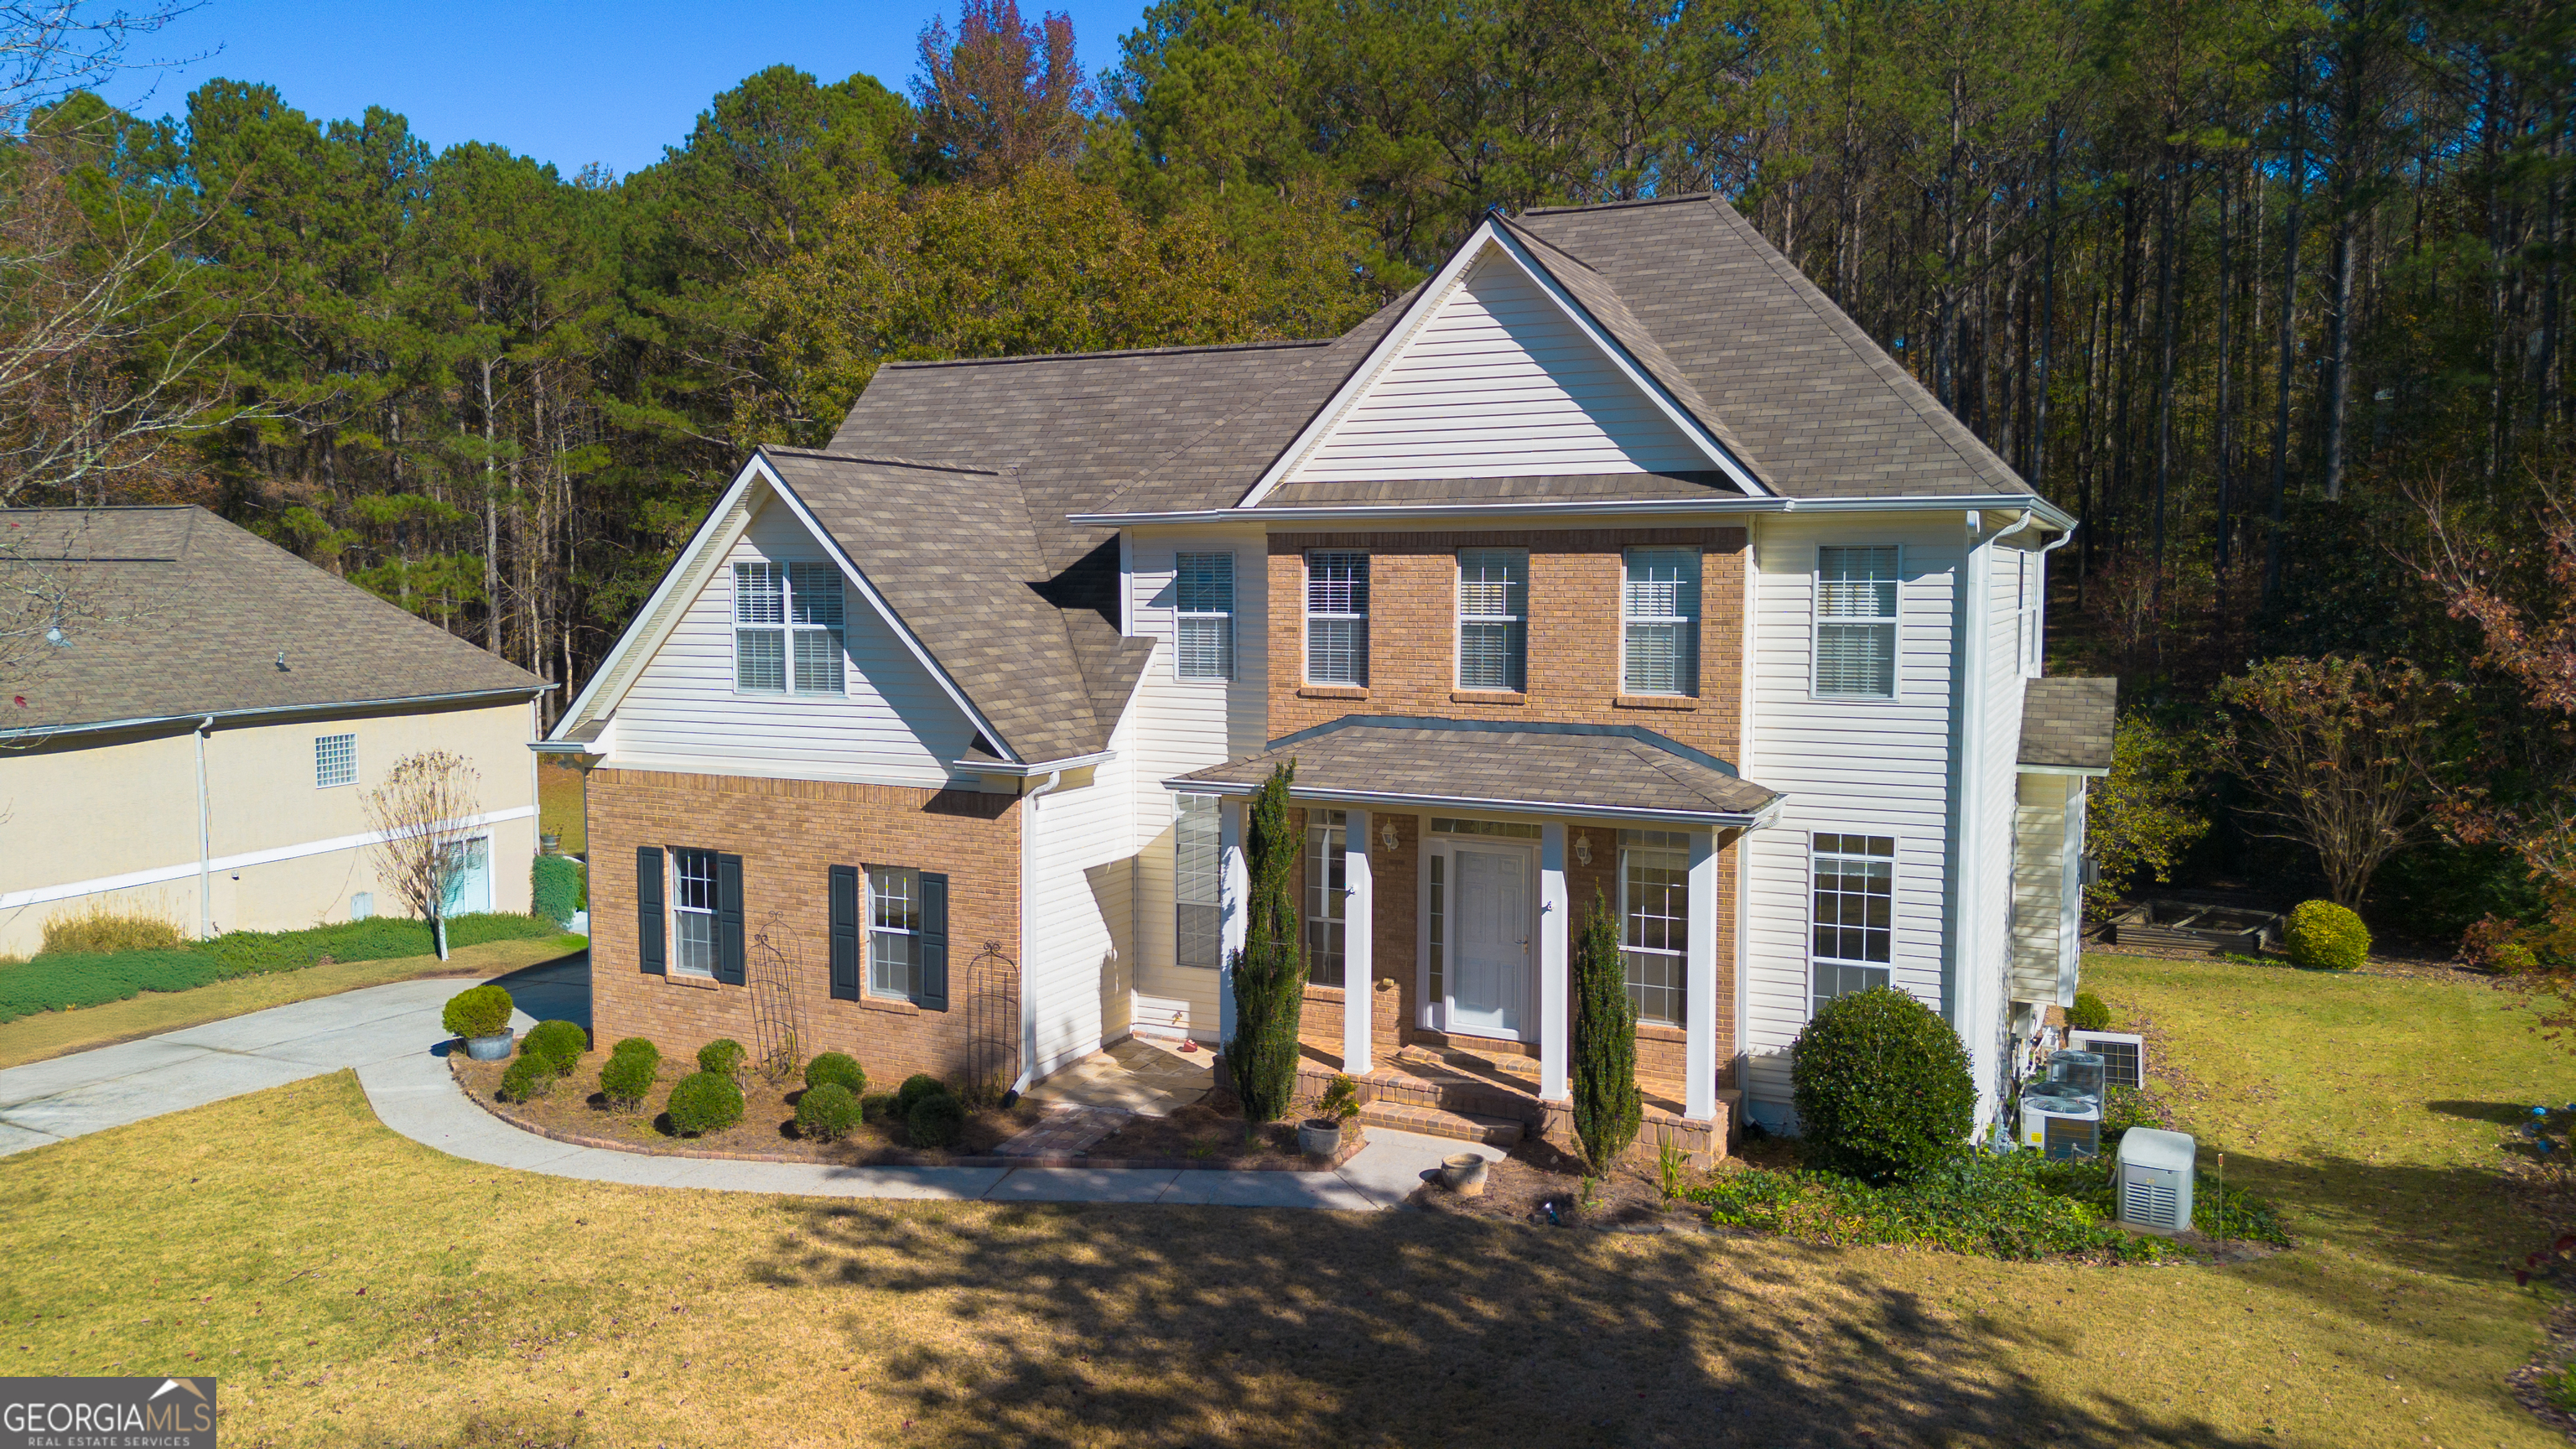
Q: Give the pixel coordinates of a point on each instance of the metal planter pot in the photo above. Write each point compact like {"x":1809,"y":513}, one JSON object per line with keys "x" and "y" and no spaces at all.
{"x":489,"y":1048}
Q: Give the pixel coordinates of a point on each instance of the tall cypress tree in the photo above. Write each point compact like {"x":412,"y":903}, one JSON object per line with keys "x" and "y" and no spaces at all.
{"x":1270,"y":970}
{"x":1606,"y":1104}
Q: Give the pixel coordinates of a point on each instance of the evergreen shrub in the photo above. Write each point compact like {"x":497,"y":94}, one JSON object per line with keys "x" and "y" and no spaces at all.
{"x":1607,"y":1107}
{"x":916,"y":1087}
{"x":478,"y":1011}
{"x":559,"y":1042}
{"x":554,"y":888}
{"x":527,"y":1077}
{"x":1270,"y":971}
{"x":877,"y":1107}
{"x":826,"y":1112}
{"x":1882,"y":1087}
{"x":937,"y":1120}
{"x":704,"y":1102}
{"x":2323,"y":936}
{"x":626,"y":1078}
{"x":723,"y":1056}
{"x":2088,"y":1013}
{"x":838,"y":1069}
{"x":637,"y":1046}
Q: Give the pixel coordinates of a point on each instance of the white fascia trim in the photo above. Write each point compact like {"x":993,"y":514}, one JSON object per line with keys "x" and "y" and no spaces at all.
{"x":1476,"y":805}
{"x":2013,"y":503}
{"x":607,"y":685}
{"x":273,"y":711}
{"x":2085,"y":771}
{"x":158,"y":875}
{"x":1033,"y":767}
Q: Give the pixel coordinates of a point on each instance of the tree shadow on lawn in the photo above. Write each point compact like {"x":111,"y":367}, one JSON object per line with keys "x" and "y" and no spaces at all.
{"x":1309,"y":1328}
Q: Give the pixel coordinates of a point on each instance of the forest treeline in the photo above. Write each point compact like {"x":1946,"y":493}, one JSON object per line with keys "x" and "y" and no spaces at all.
{"x":2271,"y":295}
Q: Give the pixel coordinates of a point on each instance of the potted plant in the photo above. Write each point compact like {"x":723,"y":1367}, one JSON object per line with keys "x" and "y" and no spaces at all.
{"x":481,"y":1015}
{"x":1321,"y":1134}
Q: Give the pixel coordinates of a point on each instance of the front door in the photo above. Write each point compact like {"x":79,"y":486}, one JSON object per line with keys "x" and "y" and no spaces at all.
{"x":1490,"y":984}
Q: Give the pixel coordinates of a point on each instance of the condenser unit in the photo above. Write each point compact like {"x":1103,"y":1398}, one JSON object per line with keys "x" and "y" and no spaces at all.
{"x":2123,"y":1054}
{"x":2061,"y":1127}
{"x":2154,"y":1172}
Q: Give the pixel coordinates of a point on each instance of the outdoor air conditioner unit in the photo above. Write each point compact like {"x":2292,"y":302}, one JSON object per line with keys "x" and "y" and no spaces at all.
{"x":2123,"y":1054}
{"x":2154,"y":1174}
{"x":2062,"y":1128}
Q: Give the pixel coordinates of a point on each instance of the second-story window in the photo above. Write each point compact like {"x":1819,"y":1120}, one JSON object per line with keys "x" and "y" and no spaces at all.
{"x":1856,"y":622}
{"x":1660,"y":609}
{"x":787,"y":627}
{"x":1336,"y":617}
{"x":1493,"y":618}
{"x":1203,"y":615}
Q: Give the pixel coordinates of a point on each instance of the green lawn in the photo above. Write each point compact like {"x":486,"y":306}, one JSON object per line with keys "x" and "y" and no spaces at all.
{"x":351,"y":1287}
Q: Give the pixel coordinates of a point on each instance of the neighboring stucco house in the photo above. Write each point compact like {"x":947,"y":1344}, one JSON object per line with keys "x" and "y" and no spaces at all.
{"x":197,"y":744}
{"x":1612,"y":560}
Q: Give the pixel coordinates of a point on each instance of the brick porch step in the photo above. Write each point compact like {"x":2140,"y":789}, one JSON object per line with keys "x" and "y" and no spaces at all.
{"x":1502,"y":1132}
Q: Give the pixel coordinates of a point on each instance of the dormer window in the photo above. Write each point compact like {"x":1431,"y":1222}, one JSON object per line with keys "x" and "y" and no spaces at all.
{"x":787,"y":622}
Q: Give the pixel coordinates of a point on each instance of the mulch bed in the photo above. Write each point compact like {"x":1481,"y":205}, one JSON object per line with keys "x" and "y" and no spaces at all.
{"x":1539,"y":1186}
{"x":1205,"y":1135}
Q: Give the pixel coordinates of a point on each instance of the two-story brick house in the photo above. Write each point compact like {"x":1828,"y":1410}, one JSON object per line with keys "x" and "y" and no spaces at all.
{"x":1613,"y":563}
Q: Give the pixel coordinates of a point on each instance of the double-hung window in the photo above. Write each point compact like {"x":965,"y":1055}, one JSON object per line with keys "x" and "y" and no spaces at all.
{"x":693,"y":912}
{"x":335,"y":761}
{"x":1654,"y":899}
{"x":894,"y":930}
{"x":1327,"y":881}
{"x":1660,"y":609}
{"x":1198,"y":867}
{"x":1856,"y":622}
{"x":1203,"y":615}
{"x":787,"y":630}
{"x":1336,"y":617}
{"x":1493,"y":618}
{"x":1855,"y":913}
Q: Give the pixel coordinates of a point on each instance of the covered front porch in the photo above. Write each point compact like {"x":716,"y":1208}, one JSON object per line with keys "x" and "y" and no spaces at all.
{"x":1443,"y":869}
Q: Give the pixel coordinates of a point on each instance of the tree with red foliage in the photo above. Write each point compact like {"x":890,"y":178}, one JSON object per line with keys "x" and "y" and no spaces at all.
{"x":1001,"y":95}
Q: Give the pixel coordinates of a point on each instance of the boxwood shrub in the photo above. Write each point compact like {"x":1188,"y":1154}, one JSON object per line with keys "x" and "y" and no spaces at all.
{"x":936,"y":1120}
{"x":2323,"y":936}
{"x":877,"y":1107}
{"x":704,"y":1102}
{"x":478,"y":1011}
{"x":914,"y":1089}
{"x":723,"y":1056}
{"x":560,"y":1042}
{"x":528,"y":1077}
{"x":626,"y":1077}
{"x":826,"y":1112}
{"x":639,"y":1047}
{"x":2088,"y":1013}
{"x":1882,"y":1087}
{"x":554,"y":888}
{"x":839,"y":1069}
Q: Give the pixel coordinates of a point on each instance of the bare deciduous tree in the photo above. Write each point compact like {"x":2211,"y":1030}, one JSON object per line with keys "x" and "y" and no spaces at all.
{"x":2339,"y":753}
{"x":425,"y":811}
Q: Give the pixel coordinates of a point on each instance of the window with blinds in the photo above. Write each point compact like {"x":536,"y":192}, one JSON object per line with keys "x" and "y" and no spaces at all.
{"x":788,"y":628}
{"x":1203,"y":615}
{"x":1198,"y":867}
{"x":1493,"y":618}
{"x":1660,"y":609}
{"x":1856,"y":622}
{"x":1336,"y":617}
{"x":1854,"y":920}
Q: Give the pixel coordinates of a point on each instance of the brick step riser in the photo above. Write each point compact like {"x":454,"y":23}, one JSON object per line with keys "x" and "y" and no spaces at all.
{"x":1505,"y":1135}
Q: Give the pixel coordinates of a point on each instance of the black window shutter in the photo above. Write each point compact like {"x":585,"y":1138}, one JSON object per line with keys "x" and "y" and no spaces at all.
{"x":845,"y":933}
{"x":729,"y":919}
{"x":934,"y":942}
{"x":648,"y":910}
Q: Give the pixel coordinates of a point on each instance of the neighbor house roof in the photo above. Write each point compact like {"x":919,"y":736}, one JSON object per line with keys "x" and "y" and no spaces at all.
{"x":1624,"y":770}
{"x":2066,"y":723}
{"x":172,"y":612}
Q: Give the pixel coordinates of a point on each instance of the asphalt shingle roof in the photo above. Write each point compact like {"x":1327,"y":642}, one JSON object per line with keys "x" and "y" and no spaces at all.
{"x":2067,"y":722}
{"x":172,"y":612}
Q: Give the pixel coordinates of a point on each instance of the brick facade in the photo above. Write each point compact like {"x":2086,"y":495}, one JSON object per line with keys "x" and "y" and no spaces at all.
{"x":789,"y":833}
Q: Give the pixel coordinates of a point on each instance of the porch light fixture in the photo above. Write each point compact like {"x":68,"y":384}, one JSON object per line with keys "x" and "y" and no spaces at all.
{"x":1386,"y":834}
{"x":1582,"y":849}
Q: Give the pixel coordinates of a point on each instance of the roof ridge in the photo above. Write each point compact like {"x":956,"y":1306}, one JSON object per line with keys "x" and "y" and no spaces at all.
{"x":1112,"y":352}
{"x":1620,"y":205}
{"x":881,"y":460}
{"x":1527,"y":235}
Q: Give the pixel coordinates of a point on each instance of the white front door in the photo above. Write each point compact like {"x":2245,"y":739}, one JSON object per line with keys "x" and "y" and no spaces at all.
{"x":1489,"y":986}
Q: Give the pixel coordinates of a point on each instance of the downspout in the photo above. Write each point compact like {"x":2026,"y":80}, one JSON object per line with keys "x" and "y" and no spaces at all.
{"x":1028,"y":916}
{"x":205,"y":839}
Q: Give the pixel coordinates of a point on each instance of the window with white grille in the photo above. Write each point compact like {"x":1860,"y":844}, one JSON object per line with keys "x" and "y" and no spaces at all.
{"x":894,"y":930}
{"x":1327,"y":879}
{"x":1660,"y":606}
{"x":1493,"y":618}
{"x":1856,"y":622}
{"x":335,"y":761}
{"x":1854,"y":925}
{"x":693,"y":912}
{"x":1654,"y":908}
{"x":788,"y":628}
{"x":1337,"y":583}
{"x":1203,"y":615}
{"x":1198,"y":867}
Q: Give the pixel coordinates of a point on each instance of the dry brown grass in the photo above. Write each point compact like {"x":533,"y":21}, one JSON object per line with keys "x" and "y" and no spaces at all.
{"x":95,"y":927}
{"x":351,"y":1287}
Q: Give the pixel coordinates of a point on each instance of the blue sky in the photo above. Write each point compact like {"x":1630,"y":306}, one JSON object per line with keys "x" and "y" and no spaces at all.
{"x":566,"y":81}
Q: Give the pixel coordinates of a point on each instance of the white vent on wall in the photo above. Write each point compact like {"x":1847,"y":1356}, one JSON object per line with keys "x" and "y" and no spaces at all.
{"x":2124,"y":1055}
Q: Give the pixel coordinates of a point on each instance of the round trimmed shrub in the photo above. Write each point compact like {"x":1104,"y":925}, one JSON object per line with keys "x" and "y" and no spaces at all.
{"x":1882,"y":1087}
{"x":626,"y":1077}
{"x":826,"y":1112}
{"x":560,"y":1042}
{"x":2323,"y":936}
{"x":877,"y":1107}
{"x":704,"y":1102}
{"x":2088,"y":1013}
{"x":937,"y":1120}
{"x":915,"y":1088}
{"x":527,"y":1077}
{"x":636,"y":1046}
{"x":723,"y":1056}
{"x":839,"y":1069}
{"x":478,"y":1011}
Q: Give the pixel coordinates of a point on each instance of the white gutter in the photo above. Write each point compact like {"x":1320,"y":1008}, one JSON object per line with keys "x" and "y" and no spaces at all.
{"x":205,"y":840}
{"x":231,"y":716}
{"x":2047,"y":512}
{"x":1031,"y":771}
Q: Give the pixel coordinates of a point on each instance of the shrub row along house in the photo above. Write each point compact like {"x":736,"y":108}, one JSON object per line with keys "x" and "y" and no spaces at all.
{"x":1613,"y":563}
{"x":195,"y":718}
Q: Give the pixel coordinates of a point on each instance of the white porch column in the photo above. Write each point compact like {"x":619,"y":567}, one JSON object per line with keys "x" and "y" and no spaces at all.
{"x":1359,"y":922}
{"x":1554,"y":1052}
{"x":1699,"y":1005}
{"x":1234,"y":882}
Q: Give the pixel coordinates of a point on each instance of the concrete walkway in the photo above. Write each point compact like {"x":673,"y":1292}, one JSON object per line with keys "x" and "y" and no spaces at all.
{"x":391,"y":1036}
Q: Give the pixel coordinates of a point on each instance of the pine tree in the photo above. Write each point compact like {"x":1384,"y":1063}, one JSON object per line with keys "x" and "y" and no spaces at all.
{"x":1270,"y":970}
{"x":1606,"y":1104}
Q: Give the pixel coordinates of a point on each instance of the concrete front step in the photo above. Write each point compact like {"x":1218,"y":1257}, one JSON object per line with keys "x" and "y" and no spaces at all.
{"x":1502,"y":1132}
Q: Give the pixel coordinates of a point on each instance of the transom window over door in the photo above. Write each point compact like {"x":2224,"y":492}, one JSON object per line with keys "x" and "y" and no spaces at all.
{"x":788,"y":627}
{"x":1654,"y":910}
{"x":1336,"y":617}
{"x":1327,"y":882}
{"x":1493,"y":618}
{"x":1660,"y":605}
{"x":1856,"y":622}
{"x":1203,"y":615}
{"x":1855,"y":913}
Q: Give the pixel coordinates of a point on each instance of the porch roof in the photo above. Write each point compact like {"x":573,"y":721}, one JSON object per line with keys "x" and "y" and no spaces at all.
{"x":1500,"y":767}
